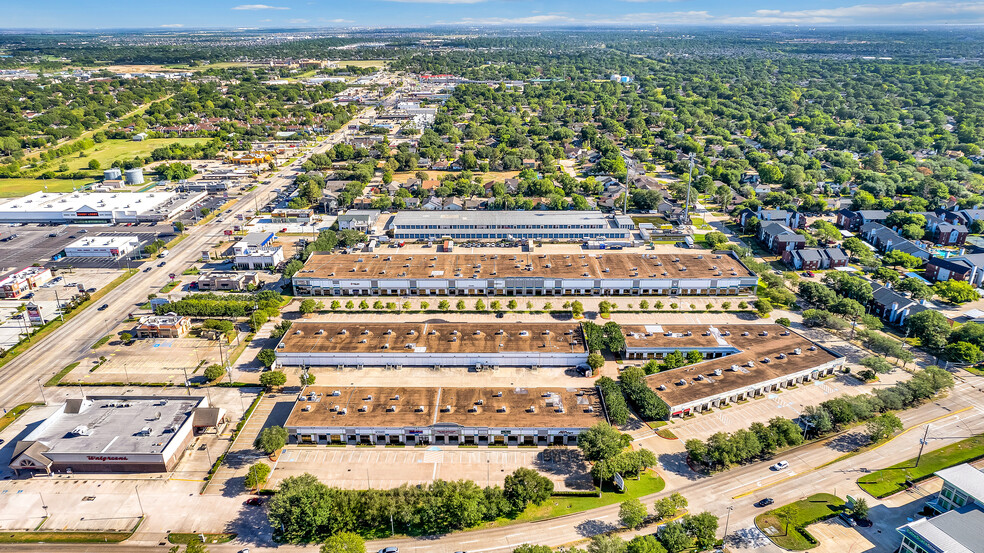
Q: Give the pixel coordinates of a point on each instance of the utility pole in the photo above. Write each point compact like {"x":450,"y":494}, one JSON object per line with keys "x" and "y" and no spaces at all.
{"x":922,"y":444}
{"x":140,"y":503}
{"x":187,"y":384}
{"x":61,"y":312}
{"x":45,"y":401}
{"x":726,"y":522}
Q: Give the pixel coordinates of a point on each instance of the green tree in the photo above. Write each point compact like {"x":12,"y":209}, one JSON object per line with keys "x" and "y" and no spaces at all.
{"x":632,"y":513}
{"x":603,"y":543}
{"x":668,"y":506}
{"x":601,"y":441}
{"x":267,"y":356}
{"x":479,"y":305}
{"x":126,"y":337}
{"x":271,"y":439}
{"x":931,"y":327}
{"x":882,"y":426}
{"x":963,"y":352}
{"x":763,"y":307}
{"x":956,"y":291}
{"x":512,"y":305}
{"x":214,"y":372}
{"x":257,"y":475}
{"x":694,"y":357}
{"x":344,"y":542}
{"x":273,"y":379}
{"x":702,"y":528}
{"x":94,"y":164}
{"x":301,"y":510}
{"x":460,"y":306}
{"x":525,"y":486}
{"x":645,"y":544}
{"x":444,"y":305}
{"x":528,"y":548}
{"x":306,"y":379}
{"x":785,"y":514}
{"x":674,"y":537}
{"x":307,"y":306}
{"x":715,"y":239}
{"x":860,"y":510}
{"x":577,"y":309}
{"x":595,"y":361}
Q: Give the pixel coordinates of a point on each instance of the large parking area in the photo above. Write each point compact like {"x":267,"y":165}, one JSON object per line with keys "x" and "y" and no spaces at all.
{"x":381,"y":467}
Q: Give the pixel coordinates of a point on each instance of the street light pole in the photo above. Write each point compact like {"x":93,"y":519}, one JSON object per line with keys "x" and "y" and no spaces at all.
{"x":922,"y":444}
{"x":43,"y":505}
{"x":40,"y":387}
{"x":726,"y":522}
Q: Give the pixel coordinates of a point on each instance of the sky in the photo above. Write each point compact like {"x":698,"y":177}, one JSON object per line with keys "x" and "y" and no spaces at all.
{"x":195,"y":14}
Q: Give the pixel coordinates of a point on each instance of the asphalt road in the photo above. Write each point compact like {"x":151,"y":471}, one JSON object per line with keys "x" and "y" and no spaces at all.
{"x":73,"y":340}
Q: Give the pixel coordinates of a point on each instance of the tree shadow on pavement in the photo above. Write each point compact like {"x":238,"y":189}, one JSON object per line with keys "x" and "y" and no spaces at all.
{"x":846,"y":443}
{"x":567,"y":463}
{"x":676,"y":463}
{"x":590,"y":528}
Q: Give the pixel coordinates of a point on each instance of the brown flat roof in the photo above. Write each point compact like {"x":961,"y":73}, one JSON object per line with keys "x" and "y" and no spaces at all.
{"x":573,"y":266}
{"x":330,"y":337}
{"x":739,"y":336}
{"x":754,"y":347}
{"x":473,"y":407}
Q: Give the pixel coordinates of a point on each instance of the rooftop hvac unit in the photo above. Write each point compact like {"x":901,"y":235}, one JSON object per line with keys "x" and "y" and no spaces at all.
{"x":480,"y":402}
{"x":396,"y":397}
{"x":145,"y":431}
{"x":419,"y":409}
{"x":590,"y":409}
{"x":363,"y":409}
{"x":661,"y":387}
{"x":764,"y":333}
{"x":700,"y":377}
{"x":320,"y":331}
{"x":391,"y":409}
{"x":532,"y":409}
{"x":813,"y":348}
{"x":744,"y":334}
{"x":501,"y":409}
{"x":307,"y":408}
{"x":683,"y":382}
{"x":766,"y":360}
{"x":385,"y":346}
{"x":497,"y":394}
{"x":751,"y":363}
{"x":363,"y":341}
{"x":717,"y":372}
{"x":365,"y":332}
{"x":297,"y":333}
{"x":781,"y":356}
{"x":336,"y":393}
{"x":343,"y":411}
{"x":797,"y":351}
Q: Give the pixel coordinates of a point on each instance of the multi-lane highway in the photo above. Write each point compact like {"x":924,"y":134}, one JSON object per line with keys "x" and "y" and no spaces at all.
{"x":74,"y":339}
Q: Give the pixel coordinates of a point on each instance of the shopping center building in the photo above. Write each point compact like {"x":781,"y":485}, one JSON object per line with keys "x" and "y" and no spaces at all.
{"x":718,"y":273}
{"x":443,"y":416}
{"x":511,"y":225}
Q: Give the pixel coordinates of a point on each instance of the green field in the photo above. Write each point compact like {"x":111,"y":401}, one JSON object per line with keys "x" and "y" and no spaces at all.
{"x":111,"y":150}
{"x":887,"y":481}
{"x":361,"y":63}
{"x":804,"y":512}
{"x":557,"y":506}
{"x":14,"y":188}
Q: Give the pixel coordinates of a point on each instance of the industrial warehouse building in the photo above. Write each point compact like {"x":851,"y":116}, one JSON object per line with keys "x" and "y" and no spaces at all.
{"x":443,"y":416}
{"x":742,"y":362}
{"x":399,"y":344}
{"x":511,"y":225}
{"x":114,"y":246}
{"x":103,"y":208}
{"x":717,"y":273}
{"x":115,"y":434}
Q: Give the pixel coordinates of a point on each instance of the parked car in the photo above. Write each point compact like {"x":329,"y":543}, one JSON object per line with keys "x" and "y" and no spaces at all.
{"x":780,"y":465}
{"x":255,"y":501}
{"x":765,"y":502}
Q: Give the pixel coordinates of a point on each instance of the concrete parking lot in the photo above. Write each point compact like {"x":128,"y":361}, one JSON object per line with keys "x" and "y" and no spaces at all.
{"x":383,"y":467}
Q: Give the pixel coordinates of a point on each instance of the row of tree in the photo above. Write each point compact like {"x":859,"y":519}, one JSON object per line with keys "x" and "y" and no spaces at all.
{"x":305,"y":510}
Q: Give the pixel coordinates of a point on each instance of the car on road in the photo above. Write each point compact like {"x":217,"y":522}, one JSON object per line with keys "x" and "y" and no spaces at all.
{"x":29,"y":296}
{"x":1,"y":441}
{"x":780,"y":465}
{"x":104,"y":307}
{"x":765,"y":502}
{"x":162,"y":263}
{"x":389,"y":550}
{"x":256,"y":501}
{"x":147,"y":269}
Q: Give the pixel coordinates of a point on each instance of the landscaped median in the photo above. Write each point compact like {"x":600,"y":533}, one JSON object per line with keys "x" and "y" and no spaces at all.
{"x":10,"y":416}
{"x":786,"y":525}
{"x":559,"y":504}
{"x":893,"y":479}
{"x":63,"y":537}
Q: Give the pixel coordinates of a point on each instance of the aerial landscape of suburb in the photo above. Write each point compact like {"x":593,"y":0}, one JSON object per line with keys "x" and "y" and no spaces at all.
{"x":492,"y":276}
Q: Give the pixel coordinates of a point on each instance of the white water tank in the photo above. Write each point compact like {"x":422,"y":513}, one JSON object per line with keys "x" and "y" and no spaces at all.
{"x":134,"y":176}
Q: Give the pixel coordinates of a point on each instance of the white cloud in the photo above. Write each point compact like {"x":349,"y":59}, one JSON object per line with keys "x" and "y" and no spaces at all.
{"x":339,"y":20}
{"x":253,"y":7}
{"x":298,"y":21}
{"x":173,"y":25}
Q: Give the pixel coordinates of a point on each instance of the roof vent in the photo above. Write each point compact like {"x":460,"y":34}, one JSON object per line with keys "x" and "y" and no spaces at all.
{"x":661,"y":387}
{"x":682,"y":382}
{"x":813,"y":348}
{"x":717,"y":372}
{"x":797,"y":351}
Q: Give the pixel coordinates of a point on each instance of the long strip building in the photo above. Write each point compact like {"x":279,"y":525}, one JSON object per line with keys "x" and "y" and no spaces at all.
{"x":443,"y":416}
{"x":718,"y":273}
{"x":395,"y":345}
{"x":511,"y":225}
{"x":741,"y":362}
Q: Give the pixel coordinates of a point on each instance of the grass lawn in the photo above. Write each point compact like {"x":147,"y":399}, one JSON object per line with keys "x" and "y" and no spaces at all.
{"x":10,"y":416}
{"x":15,"y":188}
{"x":109,"y":151}
{"x":561,"y":505}
{"x":180,"y":537}
{"x":54,"y":380}
{"x":170,"y":286}
{"x":361,"y":63}
{"x":63,"y":537}
{"x":805,"y":512}
{"x":649,"y":219}
{"x":887,"y":481}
